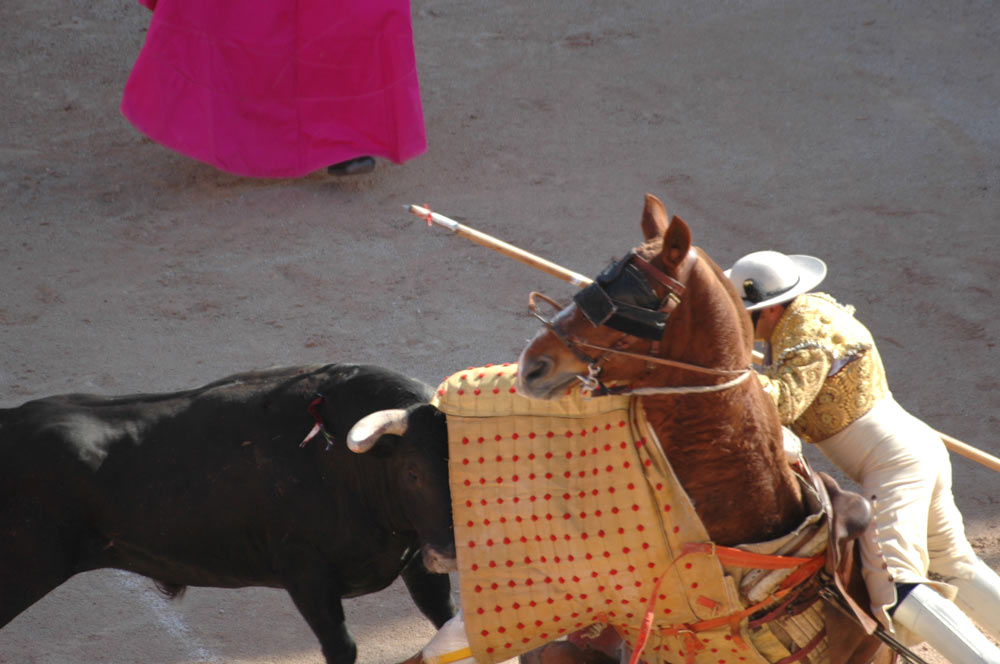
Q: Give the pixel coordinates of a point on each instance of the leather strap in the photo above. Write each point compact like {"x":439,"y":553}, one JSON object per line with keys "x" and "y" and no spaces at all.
{"x":805,"y":568}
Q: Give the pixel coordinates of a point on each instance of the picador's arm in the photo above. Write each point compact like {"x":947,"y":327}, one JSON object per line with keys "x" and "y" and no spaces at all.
{"x":795,"y":379}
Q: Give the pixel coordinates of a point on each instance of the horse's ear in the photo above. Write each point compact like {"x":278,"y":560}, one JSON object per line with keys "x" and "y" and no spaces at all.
{"x":676,"y":242}
{"x":654,"y":218}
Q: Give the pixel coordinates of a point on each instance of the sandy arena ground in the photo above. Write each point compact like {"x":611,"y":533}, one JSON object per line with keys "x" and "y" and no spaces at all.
{"x":866,"y":133}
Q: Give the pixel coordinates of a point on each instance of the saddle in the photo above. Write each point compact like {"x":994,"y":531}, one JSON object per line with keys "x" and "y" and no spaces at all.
{"x":849,"y":514}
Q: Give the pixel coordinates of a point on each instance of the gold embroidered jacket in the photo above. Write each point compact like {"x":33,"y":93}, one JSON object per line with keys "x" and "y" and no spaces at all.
{"x":826,"y":371}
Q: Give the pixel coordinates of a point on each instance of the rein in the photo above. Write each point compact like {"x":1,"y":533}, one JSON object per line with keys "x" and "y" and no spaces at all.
{"x":593,"y":387}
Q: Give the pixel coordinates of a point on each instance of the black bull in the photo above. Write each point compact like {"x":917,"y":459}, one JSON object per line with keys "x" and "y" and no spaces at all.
{"x":210,"y":487}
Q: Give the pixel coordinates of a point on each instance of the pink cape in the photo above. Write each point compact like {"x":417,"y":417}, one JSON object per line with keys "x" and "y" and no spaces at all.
{"x":267,"y":88}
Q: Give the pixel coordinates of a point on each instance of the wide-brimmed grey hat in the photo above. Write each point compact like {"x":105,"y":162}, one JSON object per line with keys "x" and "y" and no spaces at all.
{"x":764,"y":278}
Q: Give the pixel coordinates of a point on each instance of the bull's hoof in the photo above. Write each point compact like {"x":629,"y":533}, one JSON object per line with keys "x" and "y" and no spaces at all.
{"x":564,"y":652}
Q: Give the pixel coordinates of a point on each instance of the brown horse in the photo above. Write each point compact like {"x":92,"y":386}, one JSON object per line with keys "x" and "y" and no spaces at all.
{"x":667,"y":317}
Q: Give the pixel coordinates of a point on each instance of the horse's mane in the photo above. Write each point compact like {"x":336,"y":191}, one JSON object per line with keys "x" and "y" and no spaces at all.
{"x":739,"y":423}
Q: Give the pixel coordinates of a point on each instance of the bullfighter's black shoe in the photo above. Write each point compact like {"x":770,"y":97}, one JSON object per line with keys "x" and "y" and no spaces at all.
{"x":357,"y":166}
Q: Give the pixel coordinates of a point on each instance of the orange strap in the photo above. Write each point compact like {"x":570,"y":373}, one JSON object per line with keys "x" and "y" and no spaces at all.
{"x":804,"y":568}
{"x":740,"y":558}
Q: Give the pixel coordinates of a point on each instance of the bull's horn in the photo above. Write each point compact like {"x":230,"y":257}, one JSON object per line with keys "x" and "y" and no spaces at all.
{"x":366,"y":432}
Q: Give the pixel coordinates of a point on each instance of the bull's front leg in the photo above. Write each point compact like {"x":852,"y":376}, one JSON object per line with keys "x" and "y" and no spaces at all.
{"x":317,"y":596}
{"x":33,"y":562}
{"x":431,"y":592}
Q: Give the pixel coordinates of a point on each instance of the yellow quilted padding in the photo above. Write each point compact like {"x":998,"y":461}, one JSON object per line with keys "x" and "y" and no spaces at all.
{"x":566,"y":513}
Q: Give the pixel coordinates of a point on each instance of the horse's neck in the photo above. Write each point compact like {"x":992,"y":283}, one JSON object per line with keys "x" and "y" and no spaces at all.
{"x":727,"y":453}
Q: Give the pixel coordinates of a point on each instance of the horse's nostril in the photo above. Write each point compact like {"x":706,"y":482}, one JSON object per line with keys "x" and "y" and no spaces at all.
{"x":537,"y":368}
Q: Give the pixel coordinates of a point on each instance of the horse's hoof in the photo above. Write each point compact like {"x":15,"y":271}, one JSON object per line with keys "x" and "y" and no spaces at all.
{"x":357,"y":166}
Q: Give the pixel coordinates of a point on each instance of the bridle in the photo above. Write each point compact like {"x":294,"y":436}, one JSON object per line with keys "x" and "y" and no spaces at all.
{"x":624,"y":298}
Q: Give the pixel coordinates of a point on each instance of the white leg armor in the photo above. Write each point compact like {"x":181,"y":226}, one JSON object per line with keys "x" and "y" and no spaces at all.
{"x":944,"y":627}
{"x":979,"y":597}
{"x":450,"y":645}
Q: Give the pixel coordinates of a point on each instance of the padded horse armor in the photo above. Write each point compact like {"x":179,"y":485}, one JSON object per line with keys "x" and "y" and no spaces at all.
{"x":567,"y":514}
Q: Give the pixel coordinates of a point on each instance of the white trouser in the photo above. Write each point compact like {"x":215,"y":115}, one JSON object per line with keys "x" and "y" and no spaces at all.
{"x":903,"y":467}
{"x":936,"y":620}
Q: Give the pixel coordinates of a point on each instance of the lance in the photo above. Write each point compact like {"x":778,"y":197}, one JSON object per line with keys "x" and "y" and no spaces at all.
{"x":970,"y":452}
{"x":500,"y":246}
{"x":577,"y":279}
{"x":953,"y":444}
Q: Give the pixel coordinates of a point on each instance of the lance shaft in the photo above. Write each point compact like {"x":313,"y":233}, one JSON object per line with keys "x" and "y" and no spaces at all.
{"x":577,"y":279}
{"x":970,"y":452}
{"x":953,"y":444}
{"x":500,"y":246}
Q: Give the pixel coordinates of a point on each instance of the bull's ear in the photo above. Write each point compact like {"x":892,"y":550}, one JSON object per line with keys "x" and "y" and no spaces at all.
{"x":366,"y":432}
{"x":654,"y":218}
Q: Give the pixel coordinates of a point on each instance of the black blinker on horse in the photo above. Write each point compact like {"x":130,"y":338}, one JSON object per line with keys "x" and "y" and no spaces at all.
{"x":622,"y":298}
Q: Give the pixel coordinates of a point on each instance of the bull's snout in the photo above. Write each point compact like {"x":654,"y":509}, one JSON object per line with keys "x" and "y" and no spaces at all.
{"x":438,"y":560}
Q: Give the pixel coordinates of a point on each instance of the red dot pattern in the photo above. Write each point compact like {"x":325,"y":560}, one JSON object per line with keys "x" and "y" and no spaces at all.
{"x":564,"y":517}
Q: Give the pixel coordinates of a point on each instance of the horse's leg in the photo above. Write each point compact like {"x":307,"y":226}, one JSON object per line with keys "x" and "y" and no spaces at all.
{"x":596,"y":644}
{"x":849,"y":643}
{"x":33,"y":562}
{"x":451,"y":643}
{"x":564,"y":652}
